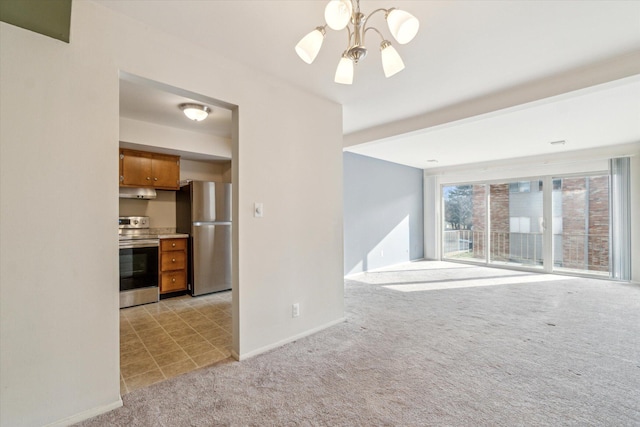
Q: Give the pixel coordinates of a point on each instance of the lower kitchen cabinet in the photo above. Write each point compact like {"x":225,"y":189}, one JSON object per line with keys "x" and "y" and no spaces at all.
{"x":173,"y":265}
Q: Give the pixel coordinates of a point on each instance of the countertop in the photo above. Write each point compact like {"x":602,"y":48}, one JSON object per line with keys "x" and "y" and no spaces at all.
{"x":173,"y":236}
{"x":167,"y":233}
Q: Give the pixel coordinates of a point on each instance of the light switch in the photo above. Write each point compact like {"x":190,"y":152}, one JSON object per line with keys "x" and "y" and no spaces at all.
{"x":258,"y":210}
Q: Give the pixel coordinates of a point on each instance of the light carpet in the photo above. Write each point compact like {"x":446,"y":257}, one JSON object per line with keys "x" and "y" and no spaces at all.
{"x":435,"y":344}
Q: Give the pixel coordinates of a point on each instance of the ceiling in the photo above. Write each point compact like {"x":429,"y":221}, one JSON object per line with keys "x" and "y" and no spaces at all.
{"x":464,"y":50}
{"x":607,"y":114}
{"x":140,"y":101}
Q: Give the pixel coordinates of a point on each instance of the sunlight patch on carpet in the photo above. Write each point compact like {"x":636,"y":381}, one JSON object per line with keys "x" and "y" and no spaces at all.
{"x":494,"y":281}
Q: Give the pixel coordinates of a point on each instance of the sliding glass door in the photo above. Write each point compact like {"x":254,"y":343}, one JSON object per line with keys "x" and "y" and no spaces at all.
{"x":464,"y":225}
{"x":516,"y":223}
{"x":553,"y":223}
{"x":581,"y":224}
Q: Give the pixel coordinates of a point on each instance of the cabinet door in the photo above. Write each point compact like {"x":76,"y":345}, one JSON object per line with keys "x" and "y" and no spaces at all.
{"x":173,"y":281}
{"x":166,"y":171}
{"x":135,"y":168}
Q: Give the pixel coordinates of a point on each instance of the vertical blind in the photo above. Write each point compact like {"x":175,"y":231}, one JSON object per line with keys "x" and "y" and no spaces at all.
{"x":620,"y":211}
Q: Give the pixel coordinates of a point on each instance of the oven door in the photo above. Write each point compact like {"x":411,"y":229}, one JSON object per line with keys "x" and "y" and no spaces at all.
{"x":138,"y":273}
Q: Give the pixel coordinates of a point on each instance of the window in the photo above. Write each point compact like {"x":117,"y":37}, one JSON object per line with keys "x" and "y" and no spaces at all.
{"x":581,"y":224}
{"x":464,"y":216}
{"x":584,"y":230}
{"x":557,"y":184}
{"x":520,"y":187}
{"x":519,"y":224}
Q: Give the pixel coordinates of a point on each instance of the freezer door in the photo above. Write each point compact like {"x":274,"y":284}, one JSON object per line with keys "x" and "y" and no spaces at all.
{"x":211,"y":201}
{"x":211,"y":258}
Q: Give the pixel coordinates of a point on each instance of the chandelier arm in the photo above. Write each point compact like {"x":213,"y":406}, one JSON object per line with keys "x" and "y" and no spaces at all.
{"x":366,"y":19}
{"x":374,"y":29}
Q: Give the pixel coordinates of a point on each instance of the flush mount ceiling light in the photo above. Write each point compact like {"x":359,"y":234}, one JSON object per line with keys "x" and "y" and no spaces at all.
{"x":339,"y":14}
{"x":195,"y":112}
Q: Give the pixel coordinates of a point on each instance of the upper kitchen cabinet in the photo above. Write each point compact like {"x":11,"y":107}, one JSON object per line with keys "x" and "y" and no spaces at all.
{"x":144,"y":169}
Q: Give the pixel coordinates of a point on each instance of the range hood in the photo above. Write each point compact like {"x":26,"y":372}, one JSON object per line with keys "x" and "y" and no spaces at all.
{"x":137,"y":193}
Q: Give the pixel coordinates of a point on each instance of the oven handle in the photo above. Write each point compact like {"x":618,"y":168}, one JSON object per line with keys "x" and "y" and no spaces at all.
{"x":139,"y":244}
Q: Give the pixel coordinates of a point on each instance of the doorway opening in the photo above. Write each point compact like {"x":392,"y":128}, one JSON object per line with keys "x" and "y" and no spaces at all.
{"x":178,"y":333}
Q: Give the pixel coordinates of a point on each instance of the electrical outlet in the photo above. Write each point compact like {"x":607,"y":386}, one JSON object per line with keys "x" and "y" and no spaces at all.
{"x":295,"y":310}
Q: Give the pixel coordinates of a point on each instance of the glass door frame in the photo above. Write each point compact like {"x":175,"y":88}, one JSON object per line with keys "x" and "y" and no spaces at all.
{"x":584,"y":273}
{"x":547,"y":221}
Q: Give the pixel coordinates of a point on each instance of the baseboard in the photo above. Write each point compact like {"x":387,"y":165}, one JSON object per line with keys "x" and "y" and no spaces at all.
{"x":86,"y":414}
{"x":288,"y":340}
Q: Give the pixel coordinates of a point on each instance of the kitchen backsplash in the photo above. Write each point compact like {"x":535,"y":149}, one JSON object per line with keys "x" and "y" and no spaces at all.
{"x":161,"y":210}
{"x":160,"y":231}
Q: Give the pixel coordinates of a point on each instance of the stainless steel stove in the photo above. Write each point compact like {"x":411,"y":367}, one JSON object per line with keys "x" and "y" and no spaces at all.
{"x":138,"y":261}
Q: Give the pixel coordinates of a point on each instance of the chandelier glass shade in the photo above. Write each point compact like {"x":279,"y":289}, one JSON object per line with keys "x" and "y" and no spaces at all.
{"x":341,"y":14}
{"x":195,"y":112}
{"x":391,"y":61}
{"x":344,"y":72}
{"x":310,"y":45}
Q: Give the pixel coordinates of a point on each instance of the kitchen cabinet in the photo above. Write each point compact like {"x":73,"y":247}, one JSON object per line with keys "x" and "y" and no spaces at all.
{"x":173,"y":265}
{"x":144,"y":169}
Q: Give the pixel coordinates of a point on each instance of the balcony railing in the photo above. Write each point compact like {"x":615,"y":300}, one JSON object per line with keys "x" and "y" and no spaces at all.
{"x":582,"y":251}
{"x":571,"y":251}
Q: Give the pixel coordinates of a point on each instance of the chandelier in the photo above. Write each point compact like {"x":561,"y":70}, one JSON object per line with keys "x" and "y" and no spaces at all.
{"x":339,"y":14}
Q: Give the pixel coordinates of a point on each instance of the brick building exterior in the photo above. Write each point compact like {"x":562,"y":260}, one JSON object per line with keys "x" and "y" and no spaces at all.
{"x":499,"y":208}
{"x":585,"y":223}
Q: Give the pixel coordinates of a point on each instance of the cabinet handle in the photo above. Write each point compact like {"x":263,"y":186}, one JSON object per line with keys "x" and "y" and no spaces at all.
{"x":173,"y":280}
{"x":155,"y":179}
{"x":173,"y":260}
{"x":148,"y":178}
{"x":121,"y":156}
{"x":121,"y":178}
{"x":173,"y":244}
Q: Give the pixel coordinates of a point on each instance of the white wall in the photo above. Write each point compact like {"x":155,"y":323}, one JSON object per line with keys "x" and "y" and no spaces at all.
{"x":197,"y":170}
{"x":154,"y":135}
{"x":575,"y":162}
{"x":59,"y":357}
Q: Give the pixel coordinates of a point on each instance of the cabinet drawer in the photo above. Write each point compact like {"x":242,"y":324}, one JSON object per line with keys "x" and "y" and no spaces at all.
{"x":173,"y":281}
{"x":173,"y":244}
{"x":173,"y":261}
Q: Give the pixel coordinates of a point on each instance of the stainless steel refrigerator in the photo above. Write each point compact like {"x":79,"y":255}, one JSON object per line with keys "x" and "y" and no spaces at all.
{"x":203,"y":210}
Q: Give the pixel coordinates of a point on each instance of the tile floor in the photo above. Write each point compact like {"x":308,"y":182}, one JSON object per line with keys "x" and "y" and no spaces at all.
{"x":176,"y":335}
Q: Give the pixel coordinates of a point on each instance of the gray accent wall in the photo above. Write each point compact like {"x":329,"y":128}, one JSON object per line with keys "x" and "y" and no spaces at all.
{"x":383,"y":213}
